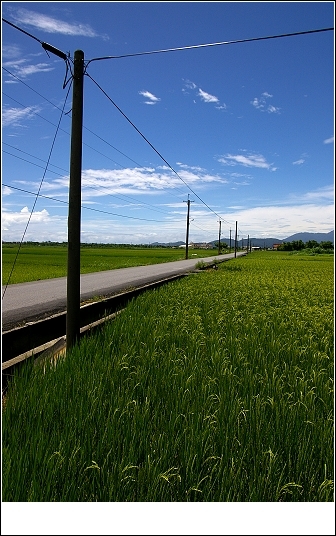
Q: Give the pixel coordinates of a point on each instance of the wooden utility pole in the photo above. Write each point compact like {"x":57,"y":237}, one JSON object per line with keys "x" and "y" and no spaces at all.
{"x":219,"y":237}
{"x":235,"y":250}
{"x":74,"y":217}
{"x":248,"y":240}
{"x":187,"y":236}
{"x":230,"y":240}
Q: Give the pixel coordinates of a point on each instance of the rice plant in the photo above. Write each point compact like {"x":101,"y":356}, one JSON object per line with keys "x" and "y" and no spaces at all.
{"x":218,"y":387}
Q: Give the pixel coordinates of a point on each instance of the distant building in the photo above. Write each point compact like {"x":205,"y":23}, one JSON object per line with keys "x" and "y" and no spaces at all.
{"x":275,"y":246}
{"x":200,"y":245}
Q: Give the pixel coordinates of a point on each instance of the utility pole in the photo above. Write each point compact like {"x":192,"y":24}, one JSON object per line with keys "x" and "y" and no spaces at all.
{"x":219,"y":237}
{"x":230,"y":240}
{"x":247,"y":247}
{"x":235,"y":249}
{"x":187,"y":236}
{"x":74,"y":215}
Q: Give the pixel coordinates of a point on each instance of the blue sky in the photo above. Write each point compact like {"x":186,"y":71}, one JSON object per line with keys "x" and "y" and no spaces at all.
{"x":247,"y":129}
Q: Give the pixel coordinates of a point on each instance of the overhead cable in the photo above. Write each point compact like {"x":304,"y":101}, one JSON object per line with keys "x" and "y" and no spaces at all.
{"x":88,"y":208}
{"x":38,"y":192}
{"x":151,"y":145}
{"x":209,"y":45}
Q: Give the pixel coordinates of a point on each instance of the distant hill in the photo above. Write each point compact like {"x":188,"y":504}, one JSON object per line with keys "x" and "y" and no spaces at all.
{"x":263,"y":242}
{"x":305,"y":237}
{"x":168,"y":244}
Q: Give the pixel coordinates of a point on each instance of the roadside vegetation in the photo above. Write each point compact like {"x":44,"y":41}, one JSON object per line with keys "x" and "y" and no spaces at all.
{"x":46,"y":261}
{"x":217,"y":387}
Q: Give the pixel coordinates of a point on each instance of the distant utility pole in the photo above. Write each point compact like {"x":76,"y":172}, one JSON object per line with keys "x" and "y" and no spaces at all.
{"x":248,"y":240}
{"x":235,"y":249}
{"x":219,"y":236}
{"x":230,"y":240}
{"x":74,"y":215}
{"x":187,"y":237}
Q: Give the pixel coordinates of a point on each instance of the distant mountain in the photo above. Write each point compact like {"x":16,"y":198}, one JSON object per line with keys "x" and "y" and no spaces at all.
{"x":263,"y":242}
{"x":305,"y":237}
{"x":168,"y":244}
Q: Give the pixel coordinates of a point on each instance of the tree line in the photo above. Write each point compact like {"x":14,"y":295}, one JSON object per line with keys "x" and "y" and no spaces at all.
{"x":316,"y":247}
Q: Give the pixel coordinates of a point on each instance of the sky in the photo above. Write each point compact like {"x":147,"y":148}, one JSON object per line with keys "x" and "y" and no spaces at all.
{"x":244,"y":130}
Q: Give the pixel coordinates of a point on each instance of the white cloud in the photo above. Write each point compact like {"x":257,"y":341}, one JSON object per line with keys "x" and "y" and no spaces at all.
{"x":298,"y":162}
{"x":9,"y":218}
{"x":152,"y":98}
{"x":15,"y":116}
{"x":329,"y":140}
{"x":193,"y":168}
{"x":10,"y":51}
{"x":325,"y":194}
{"x":139,"y":180}
{"x":273,"y":109}
{"x":21,"y":68}
{"x":261,"y":104}
{"x":51,"y":25}
{"x":6,"y":191}
{"x":252,"y":160}
{"x":190,"y":85}
{"x":256,"y":103}
{"x":206,"y":97}
{"x":282,"y":221}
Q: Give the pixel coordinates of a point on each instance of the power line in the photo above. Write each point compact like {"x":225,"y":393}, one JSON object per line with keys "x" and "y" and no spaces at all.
{"x":151,"y":145}
{"x":23,"y":31}
{"x":123,"y":198}
{"x":99,"y":137}
{"x":209,"y":45}
{"x":24,"y":152}
{"x":87,"y":208}
{"x":38,"y":192}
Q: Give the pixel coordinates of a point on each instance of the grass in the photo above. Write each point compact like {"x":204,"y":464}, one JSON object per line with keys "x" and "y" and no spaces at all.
{"x":42,"y":261}
{"x":214,"y":388}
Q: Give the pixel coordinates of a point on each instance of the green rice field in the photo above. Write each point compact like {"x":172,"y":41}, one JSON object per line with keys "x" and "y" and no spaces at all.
{"x":43,"y":261}
{"x":217,"y":387}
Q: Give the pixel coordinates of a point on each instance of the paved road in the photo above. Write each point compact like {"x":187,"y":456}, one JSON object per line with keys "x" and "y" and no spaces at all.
{"x":26,"y":302}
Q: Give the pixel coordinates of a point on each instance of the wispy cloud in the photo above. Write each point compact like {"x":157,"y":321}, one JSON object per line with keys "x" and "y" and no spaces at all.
{"x":6,"y":191}
{"x":10,"y":51}
{"x":325,"y":194}
{"x":261,"y":104}
{"x":206,"y":97}
{"x":152,"y":99}
{"x":51,"y":25}
{"x":203,"y":95}
{"x":23,"y":67}
{"x":251,"y":160}
{"x":329,"y":140}
{"x":16,"y":116}
{"x":298,"y":162}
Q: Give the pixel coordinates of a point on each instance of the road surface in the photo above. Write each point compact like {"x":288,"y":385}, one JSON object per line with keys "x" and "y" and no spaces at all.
{"x":27,"y":302}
